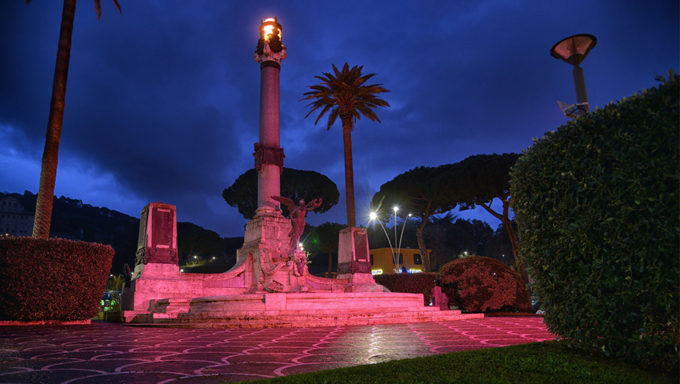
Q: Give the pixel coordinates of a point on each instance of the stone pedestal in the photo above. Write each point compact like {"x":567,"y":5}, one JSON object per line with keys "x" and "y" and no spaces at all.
{"x":157,"y":241}
{"x":354,"y":261}
{"x":275,"y":267}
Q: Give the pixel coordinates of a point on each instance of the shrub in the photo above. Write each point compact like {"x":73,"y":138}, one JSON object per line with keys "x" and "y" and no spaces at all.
{"x":484,"y":284}
{"x":597,"y":207}
{"x":53,"y":279}
{"x":409,"y":283}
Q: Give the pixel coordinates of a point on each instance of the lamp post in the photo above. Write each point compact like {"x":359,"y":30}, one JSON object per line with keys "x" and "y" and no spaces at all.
{"x":573,"y":50}
{"x":268,"y":153}
{"x":373,"y":216}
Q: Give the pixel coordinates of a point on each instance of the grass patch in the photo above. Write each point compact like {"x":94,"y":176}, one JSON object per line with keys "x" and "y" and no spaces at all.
{"x":547,"y":362}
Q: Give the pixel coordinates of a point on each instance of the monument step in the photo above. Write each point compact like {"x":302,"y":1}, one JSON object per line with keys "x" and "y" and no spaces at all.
{"x":298,"y":318}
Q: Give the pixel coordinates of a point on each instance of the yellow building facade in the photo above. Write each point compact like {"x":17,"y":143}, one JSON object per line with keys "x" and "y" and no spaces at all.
{"x":382,"y":261}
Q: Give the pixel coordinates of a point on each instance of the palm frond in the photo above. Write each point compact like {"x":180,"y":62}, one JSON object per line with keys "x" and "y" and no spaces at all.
{"x":346,"y":90}
{"x":332,"y":117}
{"x":98,"y":8}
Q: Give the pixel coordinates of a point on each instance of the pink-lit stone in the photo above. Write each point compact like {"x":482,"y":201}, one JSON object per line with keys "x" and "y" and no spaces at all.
{"x":269,"y":286}
{"x":268,"y":181}
{"x":354,"y":262}
{"x":157,"y":241}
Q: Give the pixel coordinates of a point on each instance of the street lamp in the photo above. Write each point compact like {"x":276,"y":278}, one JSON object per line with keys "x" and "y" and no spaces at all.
{"x":395,"y":255}
{"x":573,"y":50}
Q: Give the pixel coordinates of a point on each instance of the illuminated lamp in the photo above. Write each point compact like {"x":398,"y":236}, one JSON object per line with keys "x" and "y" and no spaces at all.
{"x":269,"y":28}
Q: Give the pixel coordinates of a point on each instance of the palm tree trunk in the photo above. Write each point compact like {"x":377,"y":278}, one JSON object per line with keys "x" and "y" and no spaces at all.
{"x":330,"y":262}
{"x":349,"y":170}
{"x":420,"y":236}
{"x":48,"y":172}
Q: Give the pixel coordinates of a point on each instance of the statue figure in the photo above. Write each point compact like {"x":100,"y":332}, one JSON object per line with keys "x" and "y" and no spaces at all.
{"x":297,"y":217}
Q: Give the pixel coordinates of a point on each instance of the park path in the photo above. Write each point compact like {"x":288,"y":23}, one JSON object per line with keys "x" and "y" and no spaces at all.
{"x":115,"y":353}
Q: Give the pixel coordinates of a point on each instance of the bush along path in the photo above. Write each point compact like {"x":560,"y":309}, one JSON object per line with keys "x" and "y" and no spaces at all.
{"x":597,"y":206}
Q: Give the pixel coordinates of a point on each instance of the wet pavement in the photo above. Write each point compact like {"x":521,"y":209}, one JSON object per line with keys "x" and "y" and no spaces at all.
{"x":116,"y":353}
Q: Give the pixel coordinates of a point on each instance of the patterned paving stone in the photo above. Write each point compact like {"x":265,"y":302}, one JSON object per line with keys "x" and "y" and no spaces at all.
{"x":115,"y":353}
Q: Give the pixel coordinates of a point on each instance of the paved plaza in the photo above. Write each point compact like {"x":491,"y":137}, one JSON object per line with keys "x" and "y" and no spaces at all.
{"x":116,"y":353}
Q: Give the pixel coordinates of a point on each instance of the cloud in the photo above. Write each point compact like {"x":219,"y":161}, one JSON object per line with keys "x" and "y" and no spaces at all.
{"x":163,"y":99}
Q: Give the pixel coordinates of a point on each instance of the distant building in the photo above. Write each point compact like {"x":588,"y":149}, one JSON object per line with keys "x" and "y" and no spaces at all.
{"x":13,"y":219}
{"x":382,"y":261}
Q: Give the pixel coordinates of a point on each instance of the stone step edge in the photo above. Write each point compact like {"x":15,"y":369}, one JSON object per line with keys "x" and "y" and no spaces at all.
{"x":293,"y":322}
{"x":299,"y":316}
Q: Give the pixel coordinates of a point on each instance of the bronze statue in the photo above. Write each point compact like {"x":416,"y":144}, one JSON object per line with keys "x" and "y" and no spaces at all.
{"x":297,"y":217}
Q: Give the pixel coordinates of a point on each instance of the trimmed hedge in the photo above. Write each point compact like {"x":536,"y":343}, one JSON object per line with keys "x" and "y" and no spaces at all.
{"x":409,"y":283}
{"x":54,"y":279}
{"x":598,"y":210}
{"x":484,"y":284}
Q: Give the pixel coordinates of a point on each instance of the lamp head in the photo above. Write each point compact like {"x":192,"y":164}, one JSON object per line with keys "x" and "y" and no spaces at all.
{"x":573,"y":49}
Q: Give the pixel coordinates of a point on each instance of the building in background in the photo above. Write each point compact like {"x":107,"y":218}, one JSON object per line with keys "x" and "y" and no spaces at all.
{"x":14,"y":220}
{"x":382,"y":261}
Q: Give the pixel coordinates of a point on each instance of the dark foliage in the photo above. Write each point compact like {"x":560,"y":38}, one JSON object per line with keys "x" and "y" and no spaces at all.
{"x":450,"y":238}
{"x":75,"y":220}
{"x":322,"y":243}
{"x":418,"y":192}
{"x":478,"y":181}
{"x":409,"y":283}
{"x":498,"y":246}
{"x":295,"y":184}
{"x":597,"y":206}
{"x":193,"y":240}
{"x":54,"y":279}
{"x":480,"y":178}
{"x":484,"y":284}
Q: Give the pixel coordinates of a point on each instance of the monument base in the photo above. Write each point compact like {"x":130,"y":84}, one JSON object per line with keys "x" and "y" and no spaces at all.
{"x":318,"y":309}
{"x":270,"y":286}
{"x":362,"y":282}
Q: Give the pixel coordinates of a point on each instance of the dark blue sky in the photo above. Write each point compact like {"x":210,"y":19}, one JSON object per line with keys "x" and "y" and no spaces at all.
{"x":162,"y":100}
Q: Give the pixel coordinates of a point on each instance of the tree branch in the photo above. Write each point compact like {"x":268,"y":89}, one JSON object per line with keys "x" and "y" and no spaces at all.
{"x":488,"y":209}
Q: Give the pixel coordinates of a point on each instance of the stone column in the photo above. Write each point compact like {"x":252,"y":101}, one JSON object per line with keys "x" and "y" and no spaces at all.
{"x":268,"y":153}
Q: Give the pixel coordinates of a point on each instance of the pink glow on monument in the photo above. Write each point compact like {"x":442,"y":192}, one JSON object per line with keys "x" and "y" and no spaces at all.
{"x":270,"y":284}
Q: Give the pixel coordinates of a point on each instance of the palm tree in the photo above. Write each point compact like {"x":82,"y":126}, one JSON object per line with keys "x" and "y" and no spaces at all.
{"x":344,"y":94}
{"x":48,"y":171}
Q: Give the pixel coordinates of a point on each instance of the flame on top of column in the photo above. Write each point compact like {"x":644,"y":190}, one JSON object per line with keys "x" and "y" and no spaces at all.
{"x":269,"y":27}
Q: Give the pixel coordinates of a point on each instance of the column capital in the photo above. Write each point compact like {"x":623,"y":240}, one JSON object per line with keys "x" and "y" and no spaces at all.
{"x":266,"y":52}
{"x":268,"y":155}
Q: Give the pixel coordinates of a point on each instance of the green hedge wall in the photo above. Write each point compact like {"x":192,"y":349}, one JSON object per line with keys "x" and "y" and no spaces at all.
{"x":597,"y":207}
{"x":53,"y":279}
{"x":484,"y":284}
{"x":409,"y":283}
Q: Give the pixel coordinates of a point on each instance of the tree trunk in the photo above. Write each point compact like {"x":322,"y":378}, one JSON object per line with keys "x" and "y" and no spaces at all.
{"x":421,"y":243}
{"x":330,"y":262}
{"x":507,"y":224}
{"x":519,"y":264}
{"x":48,"y":171}
{"x":349,"y":170}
